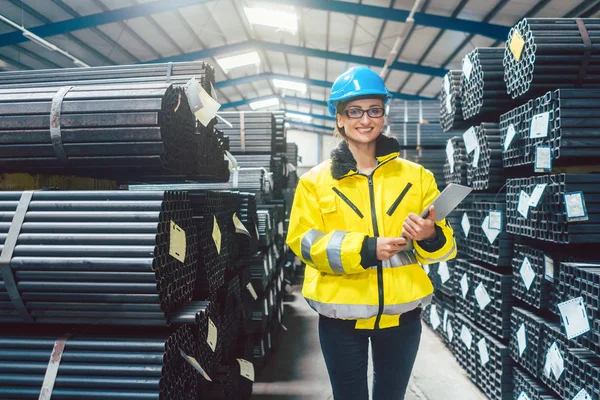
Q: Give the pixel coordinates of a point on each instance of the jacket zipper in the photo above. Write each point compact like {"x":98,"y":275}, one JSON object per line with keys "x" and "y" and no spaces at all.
{"x":347,"y":200}
{"x":396,"y":203}
{"x":379,"y":263}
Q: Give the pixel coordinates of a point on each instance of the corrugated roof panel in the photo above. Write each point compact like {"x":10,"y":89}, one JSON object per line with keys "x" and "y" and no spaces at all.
{"x":415,"y":83}
{"x":388,"y":38}
{"x":418,"y":42}
{"x":433,"y":89}
{"x":340,"y":32}
{"x":395,"y":79}
{"x":315,"y":28}
{"x":335,"y":69}
{"x":296,"y":64}
{"x":14,"y":53}
{"x":316,"y":68}
{"x":82,"y":7}
{"x":205,"y":27}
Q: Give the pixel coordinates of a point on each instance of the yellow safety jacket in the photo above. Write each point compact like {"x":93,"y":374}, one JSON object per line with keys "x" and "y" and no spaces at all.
{"x":335,"y":219}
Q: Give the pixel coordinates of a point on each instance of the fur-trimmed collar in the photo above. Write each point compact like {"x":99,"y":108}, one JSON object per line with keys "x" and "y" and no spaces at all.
{"x":342,"y":160}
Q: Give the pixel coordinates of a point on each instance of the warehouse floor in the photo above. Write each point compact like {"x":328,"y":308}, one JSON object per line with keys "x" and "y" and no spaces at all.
{"x":297,"y":371}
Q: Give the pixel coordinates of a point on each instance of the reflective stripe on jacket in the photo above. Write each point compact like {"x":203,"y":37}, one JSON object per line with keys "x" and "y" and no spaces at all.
{"x":335,"y":208}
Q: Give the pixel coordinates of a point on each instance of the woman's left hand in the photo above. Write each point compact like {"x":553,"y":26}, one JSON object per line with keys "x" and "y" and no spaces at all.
{"x":417,"y":228}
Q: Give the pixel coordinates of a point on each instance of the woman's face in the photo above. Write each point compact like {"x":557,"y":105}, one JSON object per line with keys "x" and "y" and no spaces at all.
{"x":364,"y":129}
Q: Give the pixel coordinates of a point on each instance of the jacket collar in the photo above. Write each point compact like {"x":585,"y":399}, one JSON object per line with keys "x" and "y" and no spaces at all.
{"x":344,"y":164}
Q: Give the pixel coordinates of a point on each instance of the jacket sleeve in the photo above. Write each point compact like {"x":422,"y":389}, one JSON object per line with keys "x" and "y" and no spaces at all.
{"x":335,"y":252}
{"x":443,"y":247}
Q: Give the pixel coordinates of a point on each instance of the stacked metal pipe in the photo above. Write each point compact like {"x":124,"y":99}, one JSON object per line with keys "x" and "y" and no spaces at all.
{"x":527,"y":353}
{"x":552,"y":335}
{"x":101,"y":257}
{"x":451,"y":116}
{"x":484,"y":94}
{"x":524,"y":383}
{"x":538,"y":293}
{"x":431,"y":159}
{"x":291,"y":153}
{"x":280,"y":131}
{"x":415,"y":111}
{"x":548,"y":220}
{"x":252,"y":131}
{"x":519,"y":121}
{"x":456,"y":171}
{"x":484,"y":170}
{"x":413,"y":135}
{"x":548,"y":53}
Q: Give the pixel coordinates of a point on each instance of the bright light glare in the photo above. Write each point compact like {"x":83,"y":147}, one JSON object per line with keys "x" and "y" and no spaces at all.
{"x":290,"y":85}
{"x":273,"y":101}
{"x":299,"y":117}
{"x":284,"y":20}
{"x":240,"y":60}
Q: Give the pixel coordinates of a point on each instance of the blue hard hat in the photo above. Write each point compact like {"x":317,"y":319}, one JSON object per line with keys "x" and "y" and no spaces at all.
{"x":357,"y":81}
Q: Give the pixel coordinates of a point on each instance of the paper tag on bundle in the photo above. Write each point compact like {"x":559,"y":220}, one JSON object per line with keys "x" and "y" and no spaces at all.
{"x":450,"y":155}
{"x":484,"y":356}
{"x":434,"y":317}
{"x":450,"y":332}
{"x":523,"y":206}
{"x":266,"y":266}
{"x":246,"y":369}
{"x":548,"y":268}
{"x":465,"y":224}
{"x":523,"y":396}
{"x":251,"y":290}
{"x":446,"y":84}
{"x":470,"y":140}
{"x":582,"y":395}
{"x":194,"y":363}
{"x":516,"y":45}
{"x":216,"y":234}
{"x":266,"y":306}
{"x":510,"y":135}
{"x":443,"y":272}
{"x":211,"y":337}
{"x":527,"y":273}
{"x":201,"y":103}
{"x":466,"y":336}
{"x":554,"y":363}
{"x":280,"y":228}
{"x":522,"y":339}
{"x":495,"y":221}
{"x":575,"y":207}
{"x":537,"y":194}
{"x":177,"y":242}
{"x":482,"y":296}
{"x":449,"y":103}
{"x":426,"y":268}
{"x":574,"y":317}
{"x":490,"y":233}
{"x":464,"y":285}
{"x":467,"y":67}
{"x":539,"y":125}
{"x":476,"y":156}
{"x":543,"y":159}
{"x":445,"y":321}
{"x":239,"y":226}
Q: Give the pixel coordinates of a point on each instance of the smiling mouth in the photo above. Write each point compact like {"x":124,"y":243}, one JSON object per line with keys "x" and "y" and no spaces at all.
{"x":364,"y":130}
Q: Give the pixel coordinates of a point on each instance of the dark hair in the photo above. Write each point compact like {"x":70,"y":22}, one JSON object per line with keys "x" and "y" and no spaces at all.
{"x":340,"y":106}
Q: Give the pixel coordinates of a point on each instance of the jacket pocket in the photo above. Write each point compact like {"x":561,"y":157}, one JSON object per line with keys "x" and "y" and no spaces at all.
{"x":398,"y":200}
{"x":327,"y":204}
{"x":347,"y":201}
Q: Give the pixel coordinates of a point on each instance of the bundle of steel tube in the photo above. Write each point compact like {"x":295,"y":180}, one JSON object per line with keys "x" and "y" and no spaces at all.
{"x":115,"y":257}
{"x":553,"y":336}
{"x":484,"y":94}
{"x":441,"y":314}
{"x":581,"y":372}
{"x":413,"y":135}
{"x":430,"y":159}
{"x":280,"y":131}
{"x":548,"y":53}
{"x":291,"y":153}
{"x":101,"y":366}
{"x":451,"y":115}
{"x":563,"y":123}
{"x":229,"y":298}
{"x":533,"y":389}
{"x":252,"y":131}
{"x":560,"y":214}
{"x":414,"y":111}
{"x":228,"y":383}
{"x":485,"y":171}
{"x":455,"y":167}
{"x":529,"y":356}
{"x":537,"y":292}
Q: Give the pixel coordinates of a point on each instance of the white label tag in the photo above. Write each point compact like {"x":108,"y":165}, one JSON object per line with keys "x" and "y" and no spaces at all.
{"x":446,"y":84}
{"x":555,"y":362}
{"x":548,"y":268}
{"x":211,"y":338}
{"x":465,"y":224}
{"x":527,"y":273}
{"x":216,"y":235}
{"x":490,"y":233}
{"x":510,"y":135}
{"x":476,"y":156}
{"x":445,"y":321}
{"x":522,"y":339}
{"x":466,"y":336}
{"x":537,"y":194}
{"x":246,"y":369}
{"x":523,"y":396}
{"x":426,"y":268}
{"x":450,"y":154}
{"x":543,"y":159}
{"x":470,"y":140}
{"x":523,"y":206}
{"x":239,"y":226}
{"x":194,"y":363}
{"x":574,"y":317}
{"x":582,"y":395}
{"x":251,"y":290}
{"x":464,"y":285}
{"x":266,"y":265}
{"x":434,"y":317}
{"x":482,"y":296}
{"x":484,"y":356}
{"x":449,"y":103}
{"x":495,"y":220}
{"x":280,"y":228}
{"x":575,"y":206}
{"x":443,"y":272}
{"x":539,"y":125}
{"x":450,"y":332}
{"x":201,"y":103}
{"x":467,"y":67}
{"x":266,"y":307}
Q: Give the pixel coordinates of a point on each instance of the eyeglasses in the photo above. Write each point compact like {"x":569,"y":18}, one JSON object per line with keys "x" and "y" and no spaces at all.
{"x":356,"y":113}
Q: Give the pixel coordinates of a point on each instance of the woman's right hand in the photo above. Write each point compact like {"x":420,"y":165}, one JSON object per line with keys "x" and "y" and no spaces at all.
{"x":388,"y":247}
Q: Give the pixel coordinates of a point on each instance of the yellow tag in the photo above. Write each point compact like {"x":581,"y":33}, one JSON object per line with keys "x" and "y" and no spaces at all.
{"x":216,"y":235}
{"x":246,"y":369}
{"x":252,"y":291}
{"x":177,"y":243}
{"x":516,"y":45}
{"x":194,"y":363}
{"x":239,"y":226}
{"x":211,"y":338}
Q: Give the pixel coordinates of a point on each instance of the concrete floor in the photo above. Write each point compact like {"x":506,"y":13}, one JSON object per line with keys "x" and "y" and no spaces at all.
{"x":297,"y":371}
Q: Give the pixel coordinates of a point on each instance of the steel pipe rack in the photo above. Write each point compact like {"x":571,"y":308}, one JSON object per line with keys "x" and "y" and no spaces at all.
{"x":457,"y":171}
{"x":548,"y":220}
{"x":547,"y":53}
{"x":532,"y":388}
{"x":484,"y":168}
{"x":101,"y":257}
{"x":415,"y":111}
{"x":532,"y":357}
{"x":484,"y":94}
{"x":252,"y":131}
{"x":451,"y":115}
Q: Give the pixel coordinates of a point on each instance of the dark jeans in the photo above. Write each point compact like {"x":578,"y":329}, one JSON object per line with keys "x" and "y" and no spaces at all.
{"x":394,"y":350}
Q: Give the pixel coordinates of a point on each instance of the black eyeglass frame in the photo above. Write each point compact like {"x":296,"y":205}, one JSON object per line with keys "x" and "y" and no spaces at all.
{"x":362,"y":112}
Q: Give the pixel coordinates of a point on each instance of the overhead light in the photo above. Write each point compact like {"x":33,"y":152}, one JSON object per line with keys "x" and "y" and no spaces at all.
{"x":290,"y":85}
{"x":80,"y":63}
{"x":299,"y":117}
{"x":273,"y":101}
{"x":283,"y":20}
{"x":240,"y":60}
{"x":44,"y":43}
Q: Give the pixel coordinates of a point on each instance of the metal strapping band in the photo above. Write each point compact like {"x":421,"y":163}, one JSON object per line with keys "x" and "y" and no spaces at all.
{"x":7,"y":252}
{"x":55,"y":133}
{"x":169,"y":72}
{"x":242,"y":131}
{"x":52,"y":369}
{"x":585,"y":36}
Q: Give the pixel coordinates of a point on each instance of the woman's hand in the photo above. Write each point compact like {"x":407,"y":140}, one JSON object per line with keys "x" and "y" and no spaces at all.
{"x":417,"y":228}
{"x":388,"y":247}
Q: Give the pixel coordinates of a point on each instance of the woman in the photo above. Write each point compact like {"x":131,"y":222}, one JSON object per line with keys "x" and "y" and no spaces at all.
{"x":355,"y":223}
